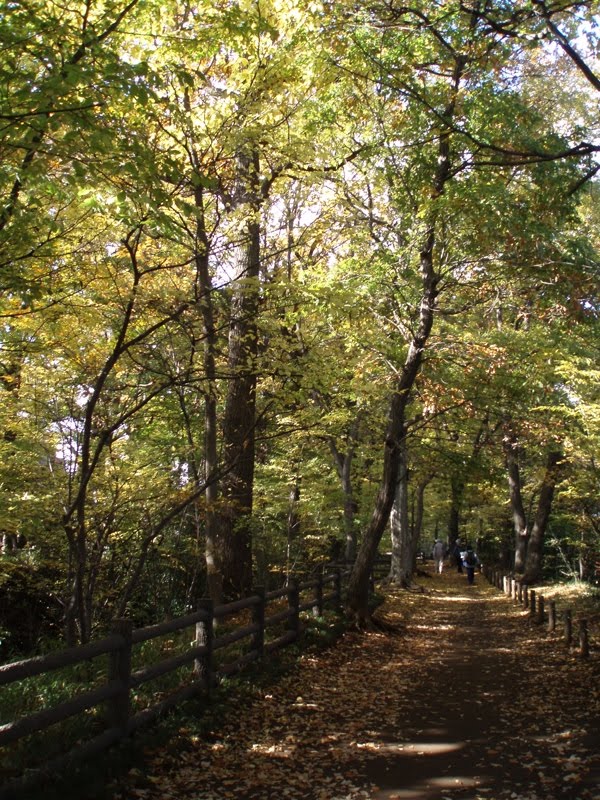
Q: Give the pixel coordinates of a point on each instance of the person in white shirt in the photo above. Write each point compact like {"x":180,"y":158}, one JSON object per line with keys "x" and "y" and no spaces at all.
{"x":439,"y":552}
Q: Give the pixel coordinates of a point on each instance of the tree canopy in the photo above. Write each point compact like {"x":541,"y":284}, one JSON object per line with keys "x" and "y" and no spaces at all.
{"x":271,"y":269}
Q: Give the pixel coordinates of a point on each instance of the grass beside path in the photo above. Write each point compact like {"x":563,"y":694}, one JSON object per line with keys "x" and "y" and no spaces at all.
{"x":469,"y":700}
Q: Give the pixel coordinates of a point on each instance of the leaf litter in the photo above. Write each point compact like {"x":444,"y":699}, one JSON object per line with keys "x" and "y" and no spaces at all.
{"x":467,"y":700}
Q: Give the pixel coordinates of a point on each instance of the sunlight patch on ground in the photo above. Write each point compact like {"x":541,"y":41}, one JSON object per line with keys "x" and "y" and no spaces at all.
{"x":451,"y":598}
{"x":273,"y":750}
{"x":571,"y":590}
{"x":454,"y":782}
{"x":430,"y":627}
{"x":411,"y":748}
{"x":562,"y":737}
{"x":431,"y":789}
{"x":359,"y":721}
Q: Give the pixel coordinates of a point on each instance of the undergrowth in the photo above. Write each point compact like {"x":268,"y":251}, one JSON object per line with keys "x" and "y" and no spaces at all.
{"x":582,"y":598}
{"x":197,"y":718}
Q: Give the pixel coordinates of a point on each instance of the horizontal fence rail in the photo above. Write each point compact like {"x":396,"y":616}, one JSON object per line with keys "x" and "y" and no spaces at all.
{"x":19,"y":670}
{"x":226,"y":639}
{"x":540,"y":611}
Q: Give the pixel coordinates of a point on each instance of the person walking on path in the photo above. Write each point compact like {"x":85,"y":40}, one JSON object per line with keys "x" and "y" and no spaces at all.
{"x":439,"y":552}
{"x":470,"y":561}
{"x":457,"y":553}
{"x":377,"y":739}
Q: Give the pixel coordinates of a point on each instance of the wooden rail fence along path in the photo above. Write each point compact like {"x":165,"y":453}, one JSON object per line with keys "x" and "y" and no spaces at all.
{"x":535,"y":603}
{"x":226,"y":638}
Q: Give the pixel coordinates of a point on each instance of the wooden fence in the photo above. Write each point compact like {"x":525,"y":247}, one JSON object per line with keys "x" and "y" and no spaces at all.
{"x":541,"y":612}
{"x":274,"y":622}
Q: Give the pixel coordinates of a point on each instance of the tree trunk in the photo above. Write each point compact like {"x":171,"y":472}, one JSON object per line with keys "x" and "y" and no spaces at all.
{"x":350,"y":508}
{"x":358,"y":587}
{"x":460,"y":479}
{"x":533,"y":565}
{"x":204,"y":301}
{"x":457,"y":487}
{"x":73,"y":613}
{"x":357,"y":599}
{"x":417,"y":524}
{"x":516,"y":499}
{"x":343,"y":463}
{"x":402,"y":560}
{"x":293,"y":525}
{"x":235,"y":529}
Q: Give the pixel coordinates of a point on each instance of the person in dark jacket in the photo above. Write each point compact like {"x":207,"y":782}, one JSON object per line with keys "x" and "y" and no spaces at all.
{"x":471,"y":562}
{"x":457,"y":553}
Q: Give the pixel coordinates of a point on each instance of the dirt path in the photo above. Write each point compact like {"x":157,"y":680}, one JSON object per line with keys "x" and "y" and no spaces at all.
{"x":470,"y":701}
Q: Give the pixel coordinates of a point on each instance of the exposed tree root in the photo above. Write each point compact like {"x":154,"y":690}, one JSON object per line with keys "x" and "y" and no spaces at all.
{"x":383,"y":624}
{"x":408,"y":586}
{"x":362,"y":622}
{"x":376,"y":623}
{"x":414,"y":587}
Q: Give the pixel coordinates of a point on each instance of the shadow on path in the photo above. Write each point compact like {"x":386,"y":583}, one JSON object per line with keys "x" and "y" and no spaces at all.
{"x":495,"y":717}
{"x":470,"y":701}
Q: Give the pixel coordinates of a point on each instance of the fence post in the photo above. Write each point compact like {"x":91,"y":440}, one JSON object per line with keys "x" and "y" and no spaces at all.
{"x":532,"y":602}
{"x":540,"y":612}
{"x":293,"y":594}
{"x":119,"y":669}
{"x":258,"y":618}
{"x":568,"y":627}
{"x":318,"y":606}
{"x":515,"y":590}
{"x":584,"y":644}
{"x":203,"y":666}
{"x":520,"y":595}
{"x":525,"y":595}
{"x":552,"y":615}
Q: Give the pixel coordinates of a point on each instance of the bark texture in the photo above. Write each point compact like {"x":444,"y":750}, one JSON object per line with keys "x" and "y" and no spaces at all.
{"x":204,"y":302}
{"x":529,"y":537}
{"x":358,"y":587}
{"x":235,"y":509}
{"x":343,"y":462}
{"x":402,"y":559}
{"x":533,"y":564}
{"x":516,"y":499}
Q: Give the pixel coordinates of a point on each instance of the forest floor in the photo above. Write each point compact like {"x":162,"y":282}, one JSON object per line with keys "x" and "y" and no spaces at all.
{"x":468,"y":699}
